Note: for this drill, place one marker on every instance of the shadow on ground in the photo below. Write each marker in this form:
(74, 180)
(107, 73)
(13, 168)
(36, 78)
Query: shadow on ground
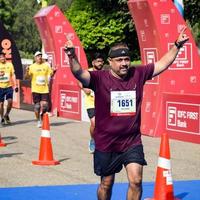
(8, 155)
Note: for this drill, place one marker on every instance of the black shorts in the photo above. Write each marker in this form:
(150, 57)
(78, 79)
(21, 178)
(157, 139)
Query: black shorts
(91, 112)
(6, 93)
(37, 97)
(106, 163)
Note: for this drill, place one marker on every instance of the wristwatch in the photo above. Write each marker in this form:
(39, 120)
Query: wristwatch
(178, 44)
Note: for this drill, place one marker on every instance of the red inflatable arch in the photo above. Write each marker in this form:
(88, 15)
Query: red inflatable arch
(54, 29)
(171, 100)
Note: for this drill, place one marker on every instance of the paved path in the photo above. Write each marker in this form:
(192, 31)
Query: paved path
(69, 141)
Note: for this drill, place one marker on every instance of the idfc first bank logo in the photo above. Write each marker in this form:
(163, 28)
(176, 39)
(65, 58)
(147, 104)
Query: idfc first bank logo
(183, 117)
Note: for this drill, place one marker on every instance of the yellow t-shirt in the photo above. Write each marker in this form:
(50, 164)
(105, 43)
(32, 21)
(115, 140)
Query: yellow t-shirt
(6, 73)
(89, 98)
(40, 74)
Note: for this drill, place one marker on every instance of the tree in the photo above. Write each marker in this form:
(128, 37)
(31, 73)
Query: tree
(17, 16)
(6, 14)
(24, 30)
(98, 23)
(97, 29)
(192, 15)
(63, 5)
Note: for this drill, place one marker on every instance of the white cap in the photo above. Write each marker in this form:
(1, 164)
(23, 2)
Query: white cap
(37, 53)
(44, 56)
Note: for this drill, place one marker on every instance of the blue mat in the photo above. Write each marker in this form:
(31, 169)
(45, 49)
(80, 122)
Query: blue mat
(186, 190)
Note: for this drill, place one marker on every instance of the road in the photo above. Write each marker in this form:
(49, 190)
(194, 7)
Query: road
(69, 140)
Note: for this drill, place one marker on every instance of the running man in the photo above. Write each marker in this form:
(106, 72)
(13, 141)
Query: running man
(118, 99)
(7, 79)
(39, 73)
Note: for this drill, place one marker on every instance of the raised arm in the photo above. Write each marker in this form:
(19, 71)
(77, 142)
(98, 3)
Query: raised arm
(162, 64)
(82, 75)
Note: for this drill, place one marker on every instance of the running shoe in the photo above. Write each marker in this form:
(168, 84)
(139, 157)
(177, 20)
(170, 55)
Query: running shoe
(3, 121)
(7, 119)
(91, 146)
(39, 124)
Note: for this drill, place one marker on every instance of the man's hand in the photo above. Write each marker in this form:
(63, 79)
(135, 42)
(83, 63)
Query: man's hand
(16, 89)
(166, 60)
(69, 49)
(82, 75)
(182, 38)
(87, 91)
(54, 69)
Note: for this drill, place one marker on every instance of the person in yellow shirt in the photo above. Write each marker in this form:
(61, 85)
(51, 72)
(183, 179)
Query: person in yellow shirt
(39, 73)
(97, 64)
(7, 78)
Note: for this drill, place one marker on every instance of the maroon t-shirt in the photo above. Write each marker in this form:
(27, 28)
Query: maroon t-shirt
(117, 133)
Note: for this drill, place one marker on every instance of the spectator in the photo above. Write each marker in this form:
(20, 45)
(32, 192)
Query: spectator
(39, 73)
(7, 78)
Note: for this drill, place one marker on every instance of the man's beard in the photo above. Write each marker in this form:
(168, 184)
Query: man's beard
(99, 67)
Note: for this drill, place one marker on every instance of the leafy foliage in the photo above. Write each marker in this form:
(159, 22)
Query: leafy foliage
(6, 14)
(63, 5)
(24, 30)
(98, 23)
(17, 16)
(98, 29)
(192, 15)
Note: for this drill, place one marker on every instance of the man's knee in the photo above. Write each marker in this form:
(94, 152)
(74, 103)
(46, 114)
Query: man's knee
(10, 101)
(136, 182)
(44, 108)
(37, 107)
(107, 183)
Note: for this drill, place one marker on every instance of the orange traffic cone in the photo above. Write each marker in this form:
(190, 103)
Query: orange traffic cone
(46, 152)
(1, 142)
(164, 185)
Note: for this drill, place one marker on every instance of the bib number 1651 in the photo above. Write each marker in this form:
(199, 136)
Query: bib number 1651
(125, 102)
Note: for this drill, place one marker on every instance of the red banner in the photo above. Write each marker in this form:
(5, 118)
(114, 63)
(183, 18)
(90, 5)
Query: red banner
(69, 102)
(54, 30)
(158, 24)
(181, 116)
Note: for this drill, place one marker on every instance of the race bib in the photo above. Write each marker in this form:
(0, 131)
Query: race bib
(123, 103)
(40, 80)
(4, 78)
